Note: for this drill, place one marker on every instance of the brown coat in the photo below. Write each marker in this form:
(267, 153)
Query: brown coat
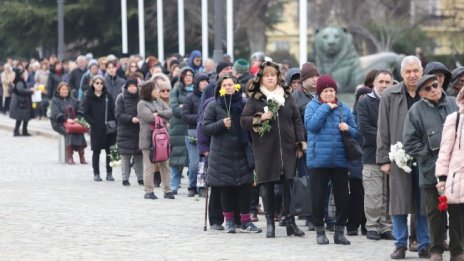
(274, 155)
(392, 113)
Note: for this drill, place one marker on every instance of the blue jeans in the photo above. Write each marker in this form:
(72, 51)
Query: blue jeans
(400, 222)
(176, 173)
(194, 158)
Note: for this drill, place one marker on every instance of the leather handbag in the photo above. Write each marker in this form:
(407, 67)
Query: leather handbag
(300, 204)
(352, 148)
(111, 127)
(75, 128)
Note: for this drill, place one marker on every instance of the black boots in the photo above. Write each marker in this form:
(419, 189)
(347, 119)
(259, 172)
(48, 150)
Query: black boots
(109, 176)
(339, 237)
(321, 238)
(97, 177)
(292, 228)
(270, 228)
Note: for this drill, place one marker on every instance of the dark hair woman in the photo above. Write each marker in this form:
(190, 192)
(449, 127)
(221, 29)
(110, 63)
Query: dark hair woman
(65, 108)
(148, 109)
(21, 102)
(227, 161)
(278, 139)
(98, 109)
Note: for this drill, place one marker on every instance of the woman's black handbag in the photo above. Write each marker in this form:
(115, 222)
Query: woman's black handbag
(300, 204)
(352, 148)
(111, 127)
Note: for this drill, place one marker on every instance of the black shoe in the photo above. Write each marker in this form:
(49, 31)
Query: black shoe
(310, 225)
(270, 226)
(387, 235)
(140, 181)
(352, 233)
(27, 134)
(202, 193)
(373, 235)
(191, 192)
(330, 227)
(292, 228)
(125, 183)
(321, 238)
(282, 222)
(97, 177)
(16, 134)
(174, 192)
(216, 227)
(169, 195)
(150, 196)
(398, 253)
(109, 177)
(230, 226)
(363, 230)
(339, 238)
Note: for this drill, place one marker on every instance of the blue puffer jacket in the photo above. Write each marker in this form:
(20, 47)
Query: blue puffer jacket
(325, 146)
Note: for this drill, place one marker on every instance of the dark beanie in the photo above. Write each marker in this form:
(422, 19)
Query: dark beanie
(323, 82)
(221, 66)
(308, 70)
(422, 81)
(241, 66)
(131, 81)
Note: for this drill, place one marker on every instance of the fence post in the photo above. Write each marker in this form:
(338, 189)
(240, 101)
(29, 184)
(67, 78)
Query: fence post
(61, 149)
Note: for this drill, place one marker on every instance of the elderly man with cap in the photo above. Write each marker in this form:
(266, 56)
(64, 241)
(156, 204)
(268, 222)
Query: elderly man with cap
(422, 136)
(457, 81)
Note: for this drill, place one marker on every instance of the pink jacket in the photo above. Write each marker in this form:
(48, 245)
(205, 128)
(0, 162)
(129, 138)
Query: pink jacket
(450, 161)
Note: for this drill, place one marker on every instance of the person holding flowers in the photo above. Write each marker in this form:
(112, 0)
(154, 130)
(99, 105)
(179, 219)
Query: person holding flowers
(228, 168)
(65, 108)
(325, 119)
(449, 171)
(277, 134)
(421, 136)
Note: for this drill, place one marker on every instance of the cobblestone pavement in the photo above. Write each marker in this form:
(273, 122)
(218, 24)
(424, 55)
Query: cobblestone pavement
(51, 211)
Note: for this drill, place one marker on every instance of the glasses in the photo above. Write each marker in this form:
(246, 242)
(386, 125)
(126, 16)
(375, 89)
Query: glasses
(98, 83)
(428, 88)
(165, 90)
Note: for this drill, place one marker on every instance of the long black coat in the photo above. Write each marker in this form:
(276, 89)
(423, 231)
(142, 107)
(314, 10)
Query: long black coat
(21, 102)
(178, 129)
(227, 165)
(368, 114)
(128, 132)
(275, 152)
(94, 114)
(190, 109)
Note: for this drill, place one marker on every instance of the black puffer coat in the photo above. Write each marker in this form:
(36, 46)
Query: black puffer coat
(128, 132)
(94, 114)
(227, 164)
(21, 101)
(192, 102)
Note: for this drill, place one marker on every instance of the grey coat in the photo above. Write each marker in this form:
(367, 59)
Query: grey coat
(392, 113)
(114, 85)
(145, 110)
(422, 135)
(21, 102)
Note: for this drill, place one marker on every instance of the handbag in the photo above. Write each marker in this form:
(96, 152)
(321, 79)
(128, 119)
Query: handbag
(75, 127)
(160, 145)
(300, 204)
(111, 127)
(352, 148)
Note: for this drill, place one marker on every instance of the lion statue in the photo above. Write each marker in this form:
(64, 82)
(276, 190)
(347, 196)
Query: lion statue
(335, 55)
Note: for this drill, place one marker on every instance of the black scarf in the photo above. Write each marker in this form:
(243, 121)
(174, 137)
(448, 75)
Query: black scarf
(236, 108)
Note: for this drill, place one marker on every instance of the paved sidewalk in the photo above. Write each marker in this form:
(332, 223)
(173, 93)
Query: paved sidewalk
(52, 211)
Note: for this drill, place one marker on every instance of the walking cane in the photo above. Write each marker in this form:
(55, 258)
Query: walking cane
(206, 208)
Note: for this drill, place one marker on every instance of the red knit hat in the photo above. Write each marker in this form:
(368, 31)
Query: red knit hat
(323, 82)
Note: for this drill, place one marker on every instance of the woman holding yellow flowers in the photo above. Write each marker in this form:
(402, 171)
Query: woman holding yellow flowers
(277, 134)
(228, 168)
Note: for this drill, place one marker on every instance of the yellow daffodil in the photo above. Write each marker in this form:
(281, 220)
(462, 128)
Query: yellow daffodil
(237, 87)
(222, 92)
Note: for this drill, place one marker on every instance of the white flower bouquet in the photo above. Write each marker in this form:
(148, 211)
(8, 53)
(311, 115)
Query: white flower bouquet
(273, 104)
(398, 155)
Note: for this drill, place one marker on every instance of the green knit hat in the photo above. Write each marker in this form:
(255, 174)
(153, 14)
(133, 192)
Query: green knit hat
(241, 66)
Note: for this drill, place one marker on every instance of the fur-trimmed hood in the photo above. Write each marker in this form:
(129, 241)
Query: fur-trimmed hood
(254, 88)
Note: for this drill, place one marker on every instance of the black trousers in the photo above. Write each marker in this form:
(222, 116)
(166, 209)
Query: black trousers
(236, 195)
(319, 179)
(268, 196)
(215, 216)
(356, 215)
(254, 199)
(18, 124)
(96, 161)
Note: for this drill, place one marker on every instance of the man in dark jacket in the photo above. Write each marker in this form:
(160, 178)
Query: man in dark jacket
(375, 182)
(241, 70)
(222, 69)
(113, 82)
(302, 96)
(422, 136)
(75, 76)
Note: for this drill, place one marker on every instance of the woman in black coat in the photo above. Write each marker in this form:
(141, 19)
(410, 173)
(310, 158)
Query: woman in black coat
(227, 161)
(98, 105)
(128, 131)
(21, 103)
(66, 108)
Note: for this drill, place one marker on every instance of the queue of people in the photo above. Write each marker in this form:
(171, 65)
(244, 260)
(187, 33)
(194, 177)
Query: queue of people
(251, 128)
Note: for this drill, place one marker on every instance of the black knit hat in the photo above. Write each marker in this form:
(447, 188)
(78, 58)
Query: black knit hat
(221, 66)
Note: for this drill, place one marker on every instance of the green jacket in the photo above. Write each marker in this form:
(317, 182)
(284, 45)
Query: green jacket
(178, 128)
